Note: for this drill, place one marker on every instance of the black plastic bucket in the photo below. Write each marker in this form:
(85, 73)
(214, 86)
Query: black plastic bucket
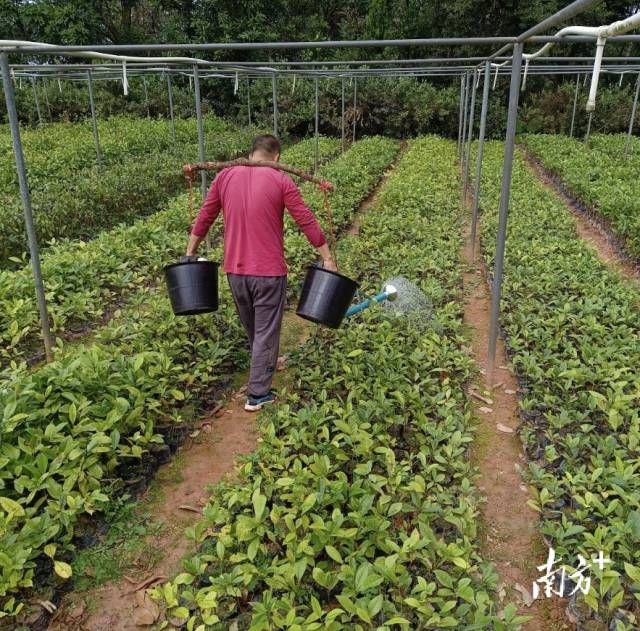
(193, 287)
(325, 297)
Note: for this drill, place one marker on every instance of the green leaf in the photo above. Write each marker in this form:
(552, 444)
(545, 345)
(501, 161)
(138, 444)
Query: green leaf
(259, 503)
(62, 569)
(333, 553)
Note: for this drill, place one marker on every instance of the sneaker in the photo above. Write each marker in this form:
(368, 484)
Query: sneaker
(254, 404)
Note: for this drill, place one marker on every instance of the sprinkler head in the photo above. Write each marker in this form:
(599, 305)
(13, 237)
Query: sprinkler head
(391, 291)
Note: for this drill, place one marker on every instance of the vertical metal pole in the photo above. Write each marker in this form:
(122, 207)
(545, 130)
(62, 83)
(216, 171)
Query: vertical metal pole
(249, 101)
(46, 99)
(472, 115)
(460, 114)
(171, 112)
(316, 157)
(509, 146)
(575, 106)
(146, 95)
(355, 104)
(586, 138)
(342, 119)
(275, 105)
(481, 135)
(94, 123)
(633, 118)
(196, 85)
(464, 116)
(12, 115)
(35, 98)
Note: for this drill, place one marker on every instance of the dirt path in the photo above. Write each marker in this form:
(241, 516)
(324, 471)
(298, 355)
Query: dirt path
(591, 229)
(371, 199)
(509, 535)
(122, 604)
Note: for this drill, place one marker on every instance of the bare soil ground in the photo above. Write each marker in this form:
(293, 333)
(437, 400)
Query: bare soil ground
(509, 535)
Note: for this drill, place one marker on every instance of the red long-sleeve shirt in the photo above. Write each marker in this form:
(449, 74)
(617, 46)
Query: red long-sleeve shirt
(253, 200)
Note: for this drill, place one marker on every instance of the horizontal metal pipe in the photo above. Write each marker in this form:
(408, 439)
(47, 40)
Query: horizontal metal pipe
(399, 43)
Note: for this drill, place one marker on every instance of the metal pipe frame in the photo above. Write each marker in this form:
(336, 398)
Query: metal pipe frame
(201, 150)
(274, 103)
(575, 106)
(472, 115)
(37, 101)
(460, 114)
(146, 95)
(171, 112)
(465, 118)
(355, 105)
(141, 66)
(249, 101)
(509, 147)
(479, 157)
(316, 154)
(342, 130)
(632, 120)
(528, 36)
(588, 134)
(32, 238)
(94, 123)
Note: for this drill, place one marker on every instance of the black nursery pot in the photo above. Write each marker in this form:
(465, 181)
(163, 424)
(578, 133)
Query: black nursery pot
(325, 297)
(192, 287)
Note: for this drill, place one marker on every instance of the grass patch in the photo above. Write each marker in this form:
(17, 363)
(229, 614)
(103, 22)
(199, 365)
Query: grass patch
(126, 543)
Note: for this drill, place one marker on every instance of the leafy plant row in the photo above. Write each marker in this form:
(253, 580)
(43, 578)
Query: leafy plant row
(71, 431)
(83, 281)
(599, 176)
(358, 510)
(74, 198)
(572, 329)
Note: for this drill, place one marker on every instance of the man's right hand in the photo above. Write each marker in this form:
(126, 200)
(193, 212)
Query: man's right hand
(330, 265)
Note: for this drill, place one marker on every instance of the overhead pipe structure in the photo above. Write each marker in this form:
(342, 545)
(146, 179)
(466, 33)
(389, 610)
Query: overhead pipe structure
(120, 67)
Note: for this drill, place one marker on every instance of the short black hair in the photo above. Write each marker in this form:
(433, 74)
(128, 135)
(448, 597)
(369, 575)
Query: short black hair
(266, 143)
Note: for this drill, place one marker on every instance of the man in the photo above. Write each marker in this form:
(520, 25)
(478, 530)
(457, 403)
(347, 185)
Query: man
(252, 200)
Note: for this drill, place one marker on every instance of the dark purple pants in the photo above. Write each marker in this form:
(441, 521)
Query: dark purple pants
(260, 302)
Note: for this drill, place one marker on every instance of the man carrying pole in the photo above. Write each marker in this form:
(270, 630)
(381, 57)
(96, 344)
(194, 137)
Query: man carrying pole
(253, 200)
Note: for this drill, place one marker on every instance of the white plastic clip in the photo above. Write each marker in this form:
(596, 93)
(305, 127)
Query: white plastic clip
(235, 85)
(621, 78)
(59, 86)
(190, 83)
(125, 82)
(495, 78)
(293, 87)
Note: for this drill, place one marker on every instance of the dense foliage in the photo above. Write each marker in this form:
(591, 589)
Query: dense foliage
(572, 330)
(86, 281)
(72, 197)
(72, 430)
(395, 107)
(358, 510)
(599, 176)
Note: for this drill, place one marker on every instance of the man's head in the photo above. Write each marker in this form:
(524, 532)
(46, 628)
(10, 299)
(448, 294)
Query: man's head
(266, 147)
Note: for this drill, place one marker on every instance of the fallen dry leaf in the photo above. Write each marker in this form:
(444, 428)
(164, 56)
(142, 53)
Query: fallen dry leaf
(186, 507)
(48, 605)
(147, 611)
(147, 582)
(478, 396)
(509, 391)
(504, 428)
(527, 598)
(485, 410)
